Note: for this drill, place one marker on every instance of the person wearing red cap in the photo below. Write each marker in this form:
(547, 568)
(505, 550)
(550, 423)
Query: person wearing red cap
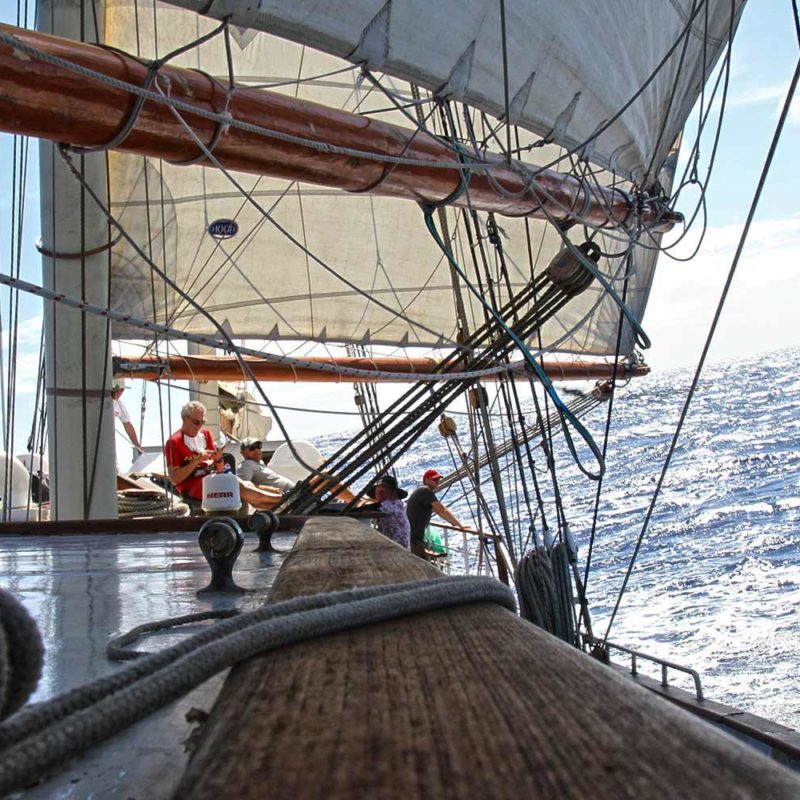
(420, 508)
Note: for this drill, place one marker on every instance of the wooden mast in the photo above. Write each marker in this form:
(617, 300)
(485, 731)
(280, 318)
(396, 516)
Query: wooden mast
(53, 102)
(227, 368)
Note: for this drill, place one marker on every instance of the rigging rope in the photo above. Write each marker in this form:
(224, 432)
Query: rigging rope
(544, 588)
(534, 364)
(718, 312)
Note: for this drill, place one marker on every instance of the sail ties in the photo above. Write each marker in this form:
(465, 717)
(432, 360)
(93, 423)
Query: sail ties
(463, 185)
(48, 733)
(150, 81)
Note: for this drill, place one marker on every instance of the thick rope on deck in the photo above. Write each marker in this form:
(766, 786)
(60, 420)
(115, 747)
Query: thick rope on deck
(164, 506)
(37, 739)
(21, 654)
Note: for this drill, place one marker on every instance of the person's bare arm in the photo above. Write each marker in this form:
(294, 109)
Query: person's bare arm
(444, 512)
(179, 474)
(131, 431)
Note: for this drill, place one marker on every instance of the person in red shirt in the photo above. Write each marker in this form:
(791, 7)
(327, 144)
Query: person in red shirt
(191, 455)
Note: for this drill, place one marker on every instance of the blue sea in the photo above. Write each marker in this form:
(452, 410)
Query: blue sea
(716, 586)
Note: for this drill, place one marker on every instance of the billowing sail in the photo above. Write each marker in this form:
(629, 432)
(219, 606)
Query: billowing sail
(313, 263)
(572, 65)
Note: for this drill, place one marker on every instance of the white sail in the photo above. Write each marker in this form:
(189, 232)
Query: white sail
(572, 65)
(351, 250)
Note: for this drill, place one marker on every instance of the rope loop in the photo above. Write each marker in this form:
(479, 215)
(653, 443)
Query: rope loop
(21, 654)
(45, 735)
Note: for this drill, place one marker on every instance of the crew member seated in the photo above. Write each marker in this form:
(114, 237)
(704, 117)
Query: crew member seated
(253, 468)
(191, 455)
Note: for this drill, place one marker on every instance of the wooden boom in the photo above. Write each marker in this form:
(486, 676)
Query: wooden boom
(466, 702)
(228, 368)
(50, 101)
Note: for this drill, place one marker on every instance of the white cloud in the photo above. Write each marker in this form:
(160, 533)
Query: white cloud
(29, 333)
(26, 357)
(773, 93)
(758, 94)
(759, 312)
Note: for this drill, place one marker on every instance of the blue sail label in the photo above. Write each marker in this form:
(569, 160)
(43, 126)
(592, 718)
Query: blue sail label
(223, 228)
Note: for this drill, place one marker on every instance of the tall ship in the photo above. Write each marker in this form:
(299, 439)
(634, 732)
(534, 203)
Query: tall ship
(457, 210)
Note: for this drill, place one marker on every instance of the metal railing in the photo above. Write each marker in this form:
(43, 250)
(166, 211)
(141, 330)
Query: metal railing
(663, 663)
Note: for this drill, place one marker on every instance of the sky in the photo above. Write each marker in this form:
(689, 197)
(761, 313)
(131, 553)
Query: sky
(761, 310)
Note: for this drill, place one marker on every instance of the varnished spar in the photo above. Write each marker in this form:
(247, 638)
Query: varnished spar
(53, 102)
(228, 368)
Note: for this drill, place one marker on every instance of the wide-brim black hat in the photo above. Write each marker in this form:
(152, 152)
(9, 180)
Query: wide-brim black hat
(390, 481)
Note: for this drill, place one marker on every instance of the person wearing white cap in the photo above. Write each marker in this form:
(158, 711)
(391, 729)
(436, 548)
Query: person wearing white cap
(121, 413)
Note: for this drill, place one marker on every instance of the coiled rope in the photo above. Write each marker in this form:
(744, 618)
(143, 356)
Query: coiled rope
(21, 654)
(545, 591)
(38, 738)
(161, 507)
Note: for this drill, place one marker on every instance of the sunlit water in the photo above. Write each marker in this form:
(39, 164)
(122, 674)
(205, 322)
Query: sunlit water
(716, 585)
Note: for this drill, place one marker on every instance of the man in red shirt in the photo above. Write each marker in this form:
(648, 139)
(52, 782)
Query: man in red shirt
(191, 455)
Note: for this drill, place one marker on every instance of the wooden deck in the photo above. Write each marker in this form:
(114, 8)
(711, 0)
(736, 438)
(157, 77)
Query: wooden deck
(469, 702)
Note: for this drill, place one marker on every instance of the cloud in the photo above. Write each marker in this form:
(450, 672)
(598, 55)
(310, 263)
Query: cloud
(773, 93)
(29, 333)
(758, 94)
(760, 306)
(26, 366)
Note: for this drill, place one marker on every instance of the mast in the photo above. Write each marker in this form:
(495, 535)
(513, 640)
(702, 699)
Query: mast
(299, 140)
(77, 356)
(200, 388)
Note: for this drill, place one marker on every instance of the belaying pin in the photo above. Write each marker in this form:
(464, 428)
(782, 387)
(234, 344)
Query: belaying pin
(264, 524)
(221, 541)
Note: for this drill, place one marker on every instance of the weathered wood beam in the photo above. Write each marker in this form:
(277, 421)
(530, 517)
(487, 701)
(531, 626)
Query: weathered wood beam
(466, 702)
(41, 99)
(228, 368)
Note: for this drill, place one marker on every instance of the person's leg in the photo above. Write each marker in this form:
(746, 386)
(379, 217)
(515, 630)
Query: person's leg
(418, 548)
(259, 498)
(323, 483)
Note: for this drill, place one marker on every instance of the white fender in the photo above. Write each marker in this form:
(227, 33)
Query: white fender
(18, 505)
(284, 462)
(35, 464)
(221, 492)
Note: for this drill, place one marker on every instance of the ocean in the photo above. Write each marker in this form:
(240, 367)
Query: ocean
(716, 585)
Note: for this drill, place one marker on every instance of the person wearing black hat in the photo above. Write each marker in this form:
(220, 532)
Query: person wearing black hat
(253, 468)
(395, 524)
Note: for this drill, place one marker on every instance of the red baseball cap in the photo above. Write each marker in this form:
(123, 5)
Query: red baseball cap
(431, 474)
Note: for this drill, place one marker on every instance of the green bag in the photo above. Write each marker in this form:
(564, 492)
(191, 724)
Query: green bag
(433, 541)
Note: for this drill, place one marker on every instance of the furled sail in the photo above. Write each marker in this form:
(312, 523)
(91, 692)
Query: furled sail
(312, 263)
